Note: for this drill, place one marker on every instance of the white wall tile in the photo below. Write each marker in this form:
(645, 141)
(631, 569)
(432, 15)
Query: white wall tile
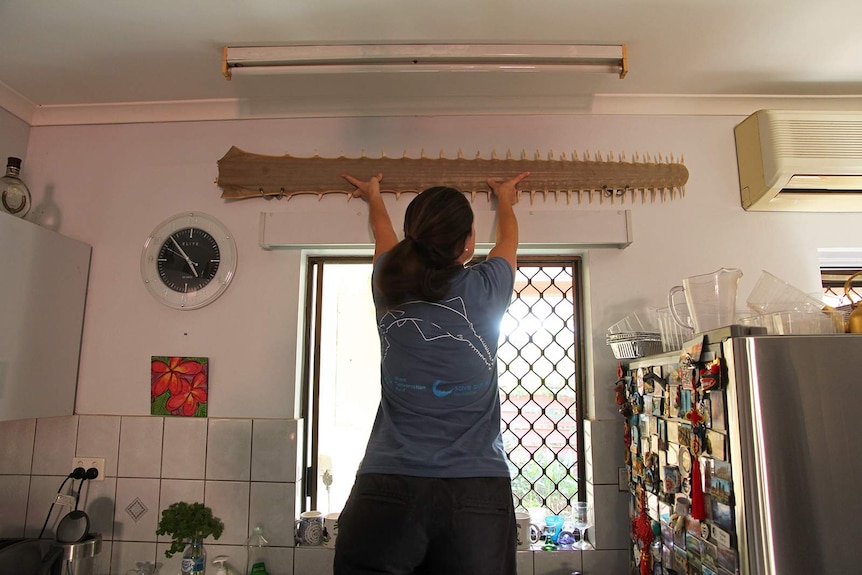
(236, 558)
(102, 560)
(127, 555)
(229, 502)
(272, 505)
(16, 446)
(604, 449)
(171, 566)
(97, 500)
(136, 514)
(273, 450)
(606, 562)
(13, 495)
(556, 562)
(54, 445)
(612, 525)
(140, 447)
(313, 560)
(525, 563)
(229, 449)
(99, 436)
(43, 492)
(185, 448)
(281, 561)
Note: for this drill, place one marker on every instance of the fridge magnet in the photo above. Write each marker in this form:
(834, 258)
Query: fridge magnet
(672, 479)
(179, 385)
(672, 454)
(662, 435)
(720, 490)
(664, 511)
(705, 411)
(726, 558)
(708, 554)
(686, 486)
(686, 380)
(721, 469)
(649, 382)
(716, 411)
(643, 423)
(672, 432)
(684, 435)
(657, 406)
(680, 560)
(694, 563)
(666, 555)
(653, 426)
(692, 535)
(666, 534)
(648, 399)
(721, 515)
(685, 402)
(678, 526)
(708, 571)
(710, 375)
(720, 537)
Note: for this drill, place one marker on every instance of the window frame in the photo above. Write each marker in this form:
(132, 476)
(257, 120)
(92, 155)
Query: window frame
(310, 372)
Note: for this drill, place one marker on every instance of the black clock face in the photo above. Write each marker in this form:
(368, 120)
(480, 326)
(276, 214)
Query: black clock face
(188, 260)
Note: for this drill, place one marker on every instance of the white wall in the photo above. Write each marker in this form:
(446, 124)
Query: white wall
(115, 183)
(14, 133)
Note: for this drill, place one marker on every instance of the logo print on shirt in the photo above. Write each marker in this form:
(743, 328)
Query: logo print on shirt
(408, 314)
(439, 392)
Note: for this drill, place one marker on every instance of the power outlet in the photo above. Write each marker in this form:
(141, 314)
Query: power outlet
(88, 462)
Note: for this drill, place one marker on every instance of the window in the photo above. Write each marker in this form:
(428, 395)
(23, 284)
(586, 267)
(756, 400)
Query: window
(540, 375)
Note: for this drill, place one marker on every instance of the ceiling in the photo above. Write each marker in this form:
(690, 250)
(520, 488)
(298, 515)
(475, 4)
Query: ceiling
(104, 61)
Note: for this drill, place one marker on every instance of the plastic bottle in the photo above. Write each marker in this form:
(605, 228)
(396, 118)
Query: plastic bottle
(194, 559)
(257, 552)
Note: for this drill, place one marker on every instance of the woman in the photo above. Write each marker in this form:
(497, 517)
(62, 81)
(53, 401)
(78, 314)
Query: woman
(433, 493)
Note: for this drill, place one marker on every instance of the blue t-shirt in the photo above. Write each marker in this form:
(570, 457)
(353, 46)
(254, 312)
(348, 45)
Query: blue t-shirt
(439, 413)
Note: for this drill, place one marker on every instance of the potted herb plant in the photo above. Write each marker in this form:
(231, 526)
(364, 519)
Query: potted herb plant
(188, 524)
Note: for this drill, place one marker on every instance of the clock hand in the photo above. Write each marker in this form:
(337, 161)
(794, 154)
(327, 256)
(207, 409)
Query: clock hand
(187, 258)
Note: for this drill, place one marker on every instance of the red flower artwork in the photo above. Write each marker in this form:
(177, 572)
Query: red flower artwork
(179, 386)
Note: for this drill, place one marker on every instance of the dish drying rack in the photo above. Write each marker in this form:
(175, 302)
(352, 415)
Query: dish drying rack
(635, 336)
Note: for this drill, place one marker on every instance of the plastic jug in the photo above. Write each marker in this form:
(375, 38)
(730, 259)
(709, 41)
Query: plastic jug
(711, 299)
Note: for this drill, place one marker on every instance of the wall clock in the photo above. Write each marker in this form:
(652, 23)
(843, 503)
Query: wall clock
(188, 260)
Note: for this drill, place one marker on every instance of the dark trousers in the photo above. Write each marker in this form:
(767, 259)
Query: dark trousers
(399, 525)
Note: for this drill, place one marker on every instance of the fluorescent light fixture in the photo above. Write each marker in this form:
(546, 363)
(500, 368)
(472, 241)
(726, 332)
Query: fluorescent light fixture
(340, 59)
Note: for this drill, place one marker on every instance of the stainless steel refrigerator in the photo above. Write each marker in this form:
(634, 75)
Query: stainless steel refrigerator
(795, 419)
(783, 458)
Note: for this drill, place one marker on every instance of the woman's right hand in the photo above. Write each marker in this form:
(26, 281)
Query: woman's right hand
(506, 190)
(365, 190)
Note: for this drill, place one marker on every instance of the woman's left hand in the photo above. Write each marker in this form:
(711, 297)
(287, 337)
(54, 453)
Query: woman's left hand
(365, 190)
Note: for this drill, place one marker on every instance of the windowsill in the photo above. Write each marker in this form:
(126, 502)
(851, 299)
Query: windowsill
(540, 549)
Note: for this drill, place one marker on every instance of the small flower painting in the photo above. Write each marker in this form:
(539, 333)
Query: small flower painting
(179, 386)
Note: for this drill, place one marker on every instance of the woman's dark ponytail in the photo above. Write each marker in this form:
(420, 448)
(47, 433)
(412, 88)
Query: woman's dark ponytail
(436, 227)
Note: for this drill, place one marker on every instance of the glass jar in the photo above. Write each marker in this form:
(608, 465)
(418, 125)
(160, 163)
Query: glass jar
(14, 194)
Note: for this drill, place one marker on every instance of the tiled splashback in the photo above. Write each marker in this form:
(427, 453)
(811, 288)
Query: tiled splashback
(246, 470)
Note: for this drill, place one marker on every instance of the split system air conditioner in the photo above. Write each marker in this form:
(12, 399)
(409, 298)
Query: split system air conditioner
(800, 161)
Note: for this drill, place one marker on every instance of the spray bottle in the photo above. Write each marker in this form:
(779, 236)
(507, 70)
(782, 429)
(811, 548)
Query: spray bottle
(220, 563)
